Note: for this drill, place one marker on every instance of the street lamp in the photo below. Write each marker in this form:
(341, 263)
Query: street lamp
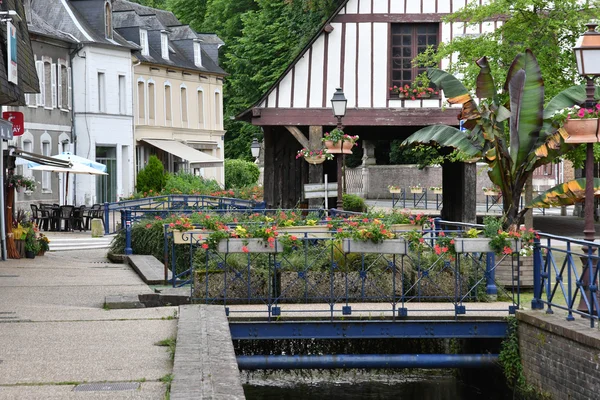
(255, 149)
(587, 54)
(338, 104)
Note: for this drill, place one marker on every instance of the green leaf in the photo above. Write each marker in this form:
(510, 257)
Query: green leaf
(445, 136)
(565, 194)
(485, 82)
(454, 90)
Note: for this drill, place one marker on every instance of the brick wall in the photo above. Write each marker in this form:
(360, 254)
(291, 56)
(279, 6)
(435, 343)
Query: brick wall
(559, 357)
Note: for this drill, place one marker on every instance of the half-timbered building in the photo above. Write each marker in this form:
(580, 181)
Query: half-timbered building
(366, 47)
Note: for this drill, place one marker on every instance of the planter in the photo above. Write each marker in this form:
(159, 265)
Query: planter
(490, 193)
(193, 236)
(582, 130)
(405, 227)
(437, 191)
(28, 192)
(20, 246)
(395, 190)
(416, 191)
(480, 245)
(307, 231)
(334, 148)
(29, 254)
(315, 160)
(390, 246)
(425, 96)
(253, 246)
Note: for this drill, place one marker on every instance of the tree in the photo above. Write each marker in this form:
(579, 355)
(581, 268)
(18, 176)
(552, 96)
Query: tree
(510, 130)
(151, 177)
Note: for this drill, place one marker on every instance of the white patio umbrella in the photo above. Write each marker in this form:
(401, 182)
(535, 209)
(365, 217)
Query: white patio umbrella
(78, 165)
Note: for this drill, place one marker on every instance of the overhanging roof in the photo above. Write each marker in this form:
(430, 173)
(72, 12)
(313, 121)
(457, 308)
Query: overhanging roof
(185, 152)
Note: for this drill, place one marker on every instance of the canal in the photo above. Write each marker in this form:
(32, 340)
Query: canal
(404, 385)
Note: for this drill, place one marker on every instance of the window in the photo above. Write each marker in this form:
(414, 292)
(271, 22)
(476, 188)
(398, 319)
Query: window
(164, 45)
(122, 95)
(46, 174)
(151, 101)
(200, 108)
(408, 40)
(27, 146)
(217, 110)
(184, 106)
(144, 42)
(101, 92)
(47, 76)
(64, 85)
(108, 33)
(197, 54)
(167, 103)
(141, 98)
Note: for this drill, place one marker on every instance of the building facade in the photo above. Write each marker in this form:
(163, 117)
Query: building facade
(177, 91)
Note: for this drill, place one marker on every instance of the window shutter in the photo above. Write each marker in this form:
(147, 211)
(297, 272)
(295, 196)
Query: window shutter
(53, 86)
(59, 78)
(39, 66)
(70, 91)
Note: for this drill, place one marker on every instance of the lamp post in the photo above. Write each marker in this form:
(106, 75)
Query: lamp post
(255, 150)
(587, 54)
(338, 104)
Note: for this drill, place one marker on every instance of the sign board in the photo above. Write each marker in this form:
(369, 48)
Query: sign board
(17, 120)
(11, 53)
(6, 131)
(318, 190)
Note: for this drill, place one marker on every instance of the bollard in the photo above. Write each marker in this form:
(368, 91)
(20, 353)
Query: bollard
(106, 231)
(97, 228)
(128, 250)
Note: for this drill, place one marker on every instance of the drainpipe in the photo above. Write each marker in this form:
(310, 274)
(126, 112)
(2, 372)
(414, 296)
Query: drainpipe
(72, 54)
(133, 65)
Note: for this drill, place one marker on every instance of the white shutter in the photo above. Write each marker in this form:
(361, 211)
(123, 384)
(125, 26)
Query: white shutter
(39, 66)
(59, 78)
(70, 91)
(53, 78)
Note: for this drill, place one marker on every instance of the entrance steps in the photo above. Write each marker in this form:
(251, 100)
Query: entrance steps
(65, 243)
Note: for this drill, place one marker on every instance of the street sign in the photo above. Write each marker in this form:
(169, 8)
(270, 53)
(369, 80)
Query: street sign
(17, 120)
(320, 190)
(6, 131)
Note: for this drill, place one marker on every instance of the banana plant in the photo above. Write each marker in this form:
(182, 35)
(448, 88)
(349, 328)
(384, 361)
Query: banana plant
(510, 130)
(565, 194)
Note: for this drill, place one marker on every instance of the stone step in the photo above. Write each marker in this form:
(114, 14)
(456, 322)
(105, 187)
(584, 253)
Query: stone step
(79, 243)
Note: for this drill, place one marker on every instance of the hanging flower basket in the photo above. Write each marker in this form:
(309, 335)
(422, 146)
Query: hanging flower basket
(582, 130)
(334, 147)
(315, 160)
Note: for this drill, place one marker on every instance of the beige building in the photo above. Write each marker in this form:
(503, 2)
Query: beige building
(177, 91)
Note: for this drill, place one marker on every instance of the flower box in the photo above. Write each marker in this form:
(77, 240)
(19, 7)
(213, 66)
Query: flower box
(582, 130)
(390, 246)
(405, 227)
(336, 148)
(398, 190)
(490, 193)
(480, 245)
(308, 231)
(191, 236)
(416, 190)
(437, 191)
(252, 246)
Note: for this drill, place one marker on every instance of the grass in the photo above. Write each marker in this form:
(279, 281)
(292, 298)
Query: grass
(171, 343)
(167, 380)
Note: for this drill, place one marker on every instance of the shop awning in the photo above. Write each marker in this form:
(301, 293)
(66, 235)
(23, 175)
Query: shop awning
(186, 153)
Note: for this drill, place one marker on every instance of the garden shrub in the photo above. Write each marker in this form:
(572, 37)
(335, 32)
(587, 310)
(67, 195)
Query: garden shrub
(187, 183)
(240, 173)
(352, 202)
(151, 177)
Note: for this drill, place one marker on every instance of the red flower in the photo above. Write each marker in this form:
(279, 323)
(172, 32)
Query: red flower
(294, 238)
(148, 226)
(507, 250)
(245, 249)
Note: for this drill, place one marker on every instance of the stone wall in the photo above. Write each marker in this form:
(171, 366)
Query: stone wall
(560, 358)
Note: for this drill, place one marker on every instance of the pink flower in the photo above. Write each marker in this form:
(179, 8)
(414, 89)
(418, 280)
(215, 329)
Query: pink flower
(204, 246)
(581, 113)
(507, 250)
(245, 249)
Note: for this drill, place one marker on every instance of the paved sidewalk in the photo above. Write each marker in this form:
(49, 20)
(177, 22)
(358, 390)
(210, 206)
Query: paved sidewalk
(55, 333)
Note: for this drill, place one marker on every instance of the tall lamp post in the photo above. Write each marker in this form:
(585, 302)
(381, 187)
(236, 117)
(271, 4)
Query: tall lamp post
(587, 54)
(338, 104)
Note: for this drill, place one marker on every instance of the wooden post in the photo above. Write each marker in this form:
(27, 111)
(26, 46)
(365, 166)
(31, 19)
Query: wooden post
(458, 182)
(315, 172)
(269, 156)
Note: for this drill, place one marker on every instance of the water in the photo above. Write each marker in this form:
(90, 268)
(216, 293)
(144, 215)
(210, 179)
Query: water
(425, 385)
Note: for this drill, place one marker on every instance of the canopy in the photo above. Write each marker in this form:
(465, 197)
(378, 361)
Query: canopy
(185, 152)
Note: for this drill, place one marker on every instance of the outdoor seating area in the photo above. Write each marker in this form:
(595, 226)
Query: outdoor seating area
(66, 218)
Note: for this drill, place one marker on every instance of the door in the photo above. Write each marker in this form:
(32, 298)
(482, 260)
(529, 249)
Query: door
(106, 185)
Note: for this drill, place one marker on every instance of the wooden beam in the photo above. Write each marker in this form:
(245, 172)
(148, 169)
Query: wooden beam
(297, 133)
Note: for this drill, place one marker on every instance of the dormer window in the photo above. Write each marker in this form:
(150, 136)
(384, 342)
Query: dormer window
(197, 54)
(164, 44)
(144, 42)
(108, 32)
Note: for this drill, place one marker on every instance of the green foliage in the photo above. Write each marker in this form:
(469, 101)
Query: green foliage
(31, 243)
(184, 182)
(240, 173)
(171, 343)
(420, 154)
(352, 202)
(152, 177)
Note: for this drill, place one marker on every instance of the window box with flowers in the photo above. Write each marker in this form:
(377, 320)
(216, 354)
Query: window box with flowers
(491, 191)
(405, 221)
(20, 182)
(394, 189)
(436, 189)
(371, 236)
(338, 142)
(578, 124)
(185, 233)
(416, 189)
(314, 156)
(419, 89)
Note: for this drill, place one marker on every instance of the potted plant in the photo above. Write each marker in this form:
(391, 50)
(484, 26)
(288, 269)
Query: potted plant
(491, 191)
(20, 182)
(31, 244)
(371, 237)
(394, 189)
(416, 189)
(43, 244)
(314, 156)
(403, 220)
(436, 189)
(418, 89)
(338, 142)
(581, 124)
